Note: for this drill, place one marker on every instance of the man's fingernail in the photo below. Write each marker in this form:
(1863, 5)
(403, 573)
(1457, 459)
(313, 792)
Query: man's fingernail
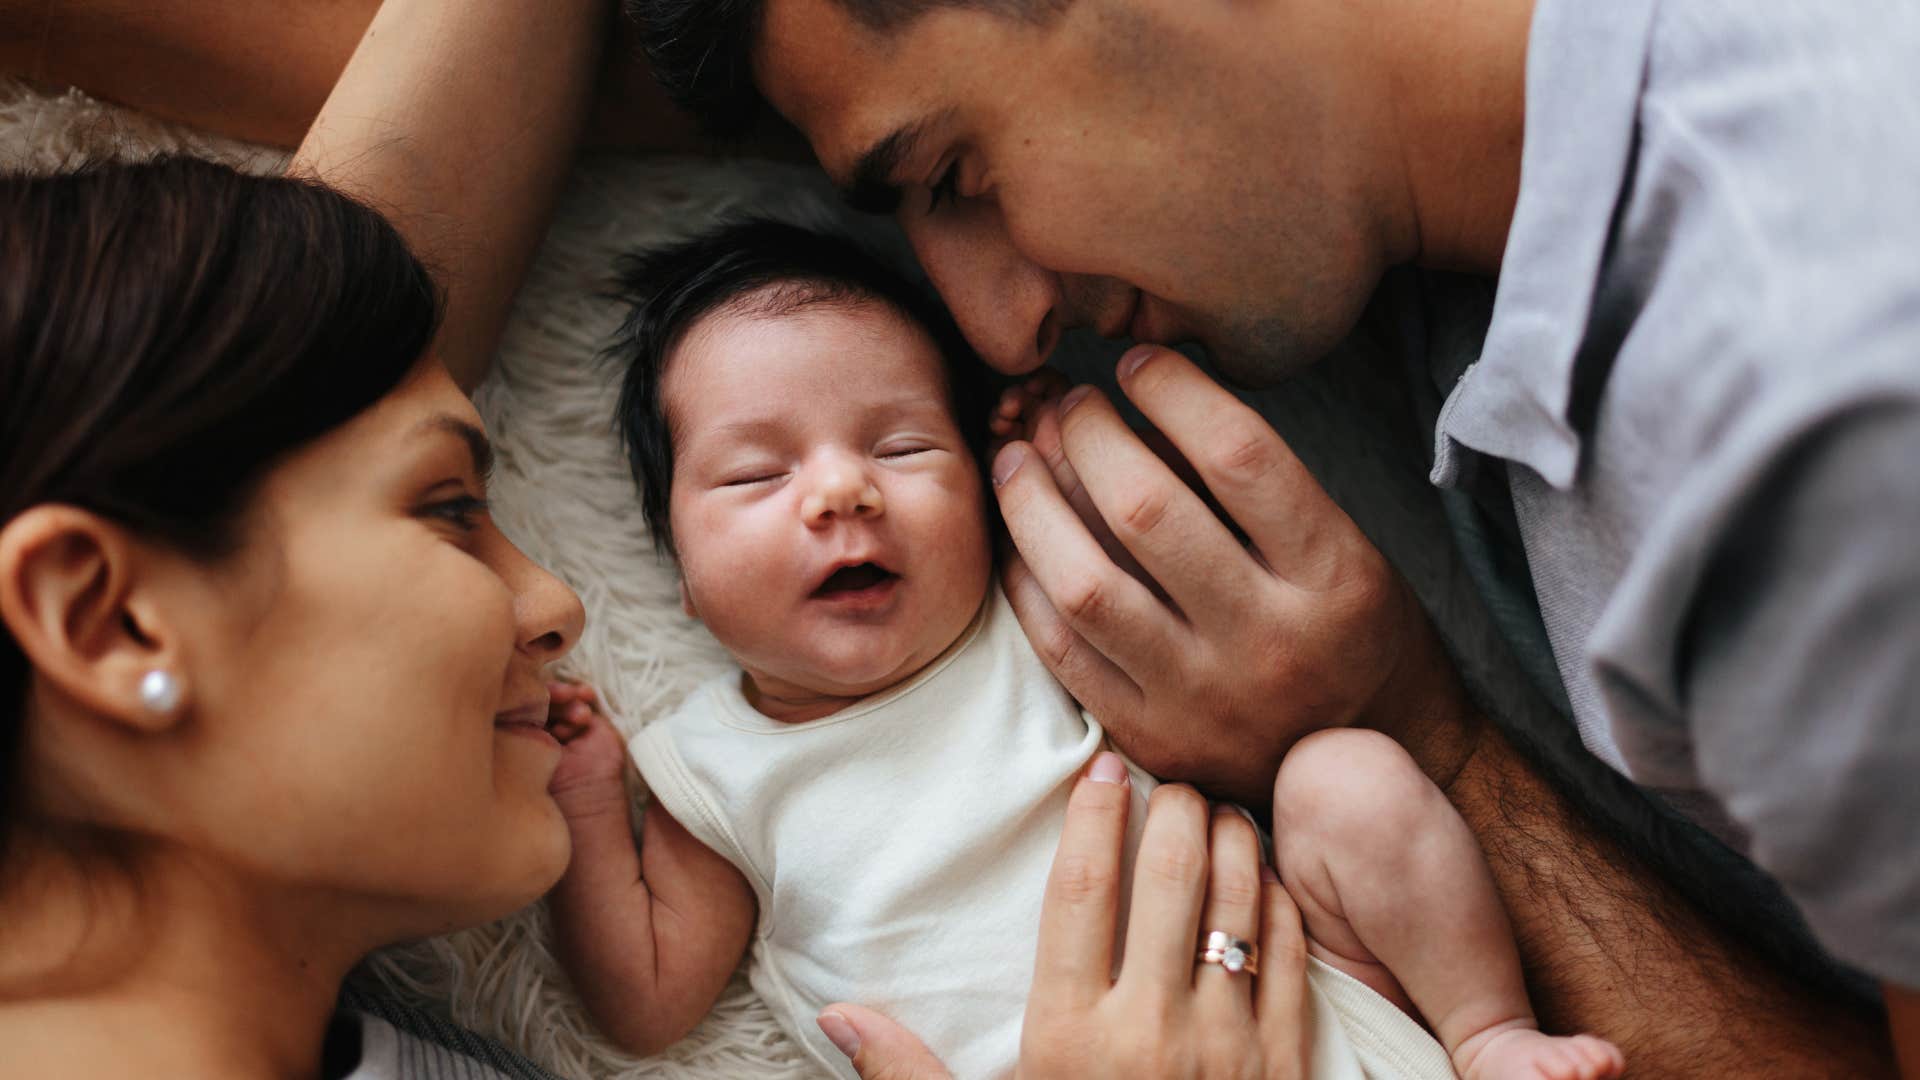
(1074, 397)
(1008, 462)
(840, 1033)
(1108, 769)
(1130, 362)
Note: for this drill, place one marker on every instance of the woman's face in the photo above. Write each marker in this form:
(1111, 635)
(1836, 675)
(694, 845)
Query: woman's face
(366, 696)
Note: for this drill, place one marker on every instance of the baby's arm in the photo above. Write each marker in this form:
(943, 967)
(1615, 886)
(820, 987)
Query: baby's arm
(1393, 890)
(649, 936)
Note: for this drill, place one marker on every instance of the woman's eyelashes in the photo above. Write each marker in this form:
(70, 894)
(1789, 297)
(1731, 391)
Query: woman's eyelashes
(463, 512)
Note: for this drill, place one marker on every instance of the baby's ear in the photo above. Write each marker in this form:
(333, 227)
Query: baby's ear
(686, 600)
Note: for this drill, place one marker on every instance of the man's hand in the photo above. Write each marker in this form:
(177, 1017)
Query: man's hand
(1301, 627)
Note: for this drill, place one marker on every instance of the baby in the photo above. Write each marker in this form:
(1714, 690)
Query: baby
(869, 807)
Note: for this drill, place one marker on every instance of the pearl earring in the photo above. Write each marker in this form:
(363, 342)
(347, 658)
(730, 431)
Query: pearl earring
(160, 692)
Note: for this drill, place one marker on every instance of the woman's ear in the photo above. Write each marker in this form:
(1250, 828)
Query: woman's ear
(73, 597)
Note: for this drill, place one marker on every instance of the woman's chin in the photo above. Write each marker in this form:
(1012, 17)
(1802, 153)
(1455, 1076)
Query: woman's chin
(527, 865)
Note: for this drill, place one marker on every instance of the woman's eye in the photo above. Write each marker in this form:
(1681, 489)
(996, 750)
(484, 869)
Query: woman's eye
(464, 512)
(904, 451)
(751, 479)
(946, 189)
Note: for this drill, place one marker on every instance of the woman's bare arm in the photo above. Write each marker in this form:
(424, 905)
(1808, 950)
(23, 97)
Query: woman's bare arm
(260, 71)
(457, 120)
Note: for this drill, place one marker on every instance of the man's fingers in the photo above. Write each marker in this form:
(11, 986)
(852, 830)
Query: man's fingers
(1281, 1004)
(879, 1048)
(1100, 601)
(1046, 440)
(1083, 890)
(1157, 517)
(1095, 681)
(1169, 885)
(1242, 460)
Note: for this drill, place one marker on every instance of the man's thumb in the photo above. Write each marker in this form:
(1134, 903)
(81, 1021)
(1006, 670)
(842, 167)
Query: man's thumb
(879, 1048)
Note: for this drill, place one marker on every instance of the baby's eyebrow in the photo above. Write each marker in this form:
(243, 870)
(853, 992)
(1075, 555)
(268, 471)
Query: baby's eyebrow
(747, 430)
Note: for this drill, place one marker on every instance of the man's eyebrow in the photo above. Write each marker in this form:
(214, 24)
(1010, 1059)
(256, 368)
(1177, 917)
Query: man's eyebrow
(874, 188)
(476, 440)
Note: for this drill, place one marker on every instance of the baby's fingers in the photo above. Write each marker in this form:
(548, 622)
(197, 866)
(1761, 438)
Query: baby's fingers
(571, 708)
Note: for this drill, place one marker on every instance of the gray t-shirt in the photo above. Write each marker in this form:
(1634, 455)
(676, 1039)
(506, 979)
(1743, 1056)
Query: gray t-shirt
(1702, 378)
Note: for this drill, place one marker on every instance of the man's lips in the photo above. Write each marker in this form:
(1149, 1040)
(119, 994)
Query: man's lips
(1140, 326)
(1122, 323)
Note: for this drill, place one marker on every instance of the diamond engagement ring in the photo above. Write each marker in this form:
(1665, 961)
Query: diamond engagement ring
(1231, 953)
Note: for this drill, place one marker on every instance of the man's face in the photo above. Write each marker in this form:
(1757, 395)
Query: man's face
(1165, 170)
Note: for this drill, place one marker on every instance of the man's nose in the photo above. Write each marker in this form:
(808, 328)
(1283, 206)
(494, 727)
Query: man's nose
(839, 487)
(1008, 306)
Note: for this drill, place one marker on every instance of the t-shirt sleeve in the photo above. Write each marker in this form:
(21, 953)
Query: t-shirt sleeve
(675, 787)
(1799, 671)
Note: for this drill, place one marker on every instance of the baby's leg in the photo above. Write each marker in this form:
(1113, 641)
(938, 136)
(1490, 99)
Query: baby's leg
(1394, 891)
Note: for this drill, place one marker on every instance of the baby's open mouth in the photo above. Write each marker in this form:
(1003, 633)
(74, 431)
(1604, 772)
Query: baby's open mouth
(849, 579)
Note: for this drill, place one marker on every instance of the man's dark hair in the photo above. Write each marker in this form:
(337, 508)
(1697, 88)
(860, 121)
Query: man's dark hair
(769, 269)
(702, 50)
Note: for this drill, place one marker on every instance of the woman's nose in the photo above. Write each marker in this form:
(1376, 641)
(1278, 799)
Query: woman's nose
(548, 613)
(839, 488)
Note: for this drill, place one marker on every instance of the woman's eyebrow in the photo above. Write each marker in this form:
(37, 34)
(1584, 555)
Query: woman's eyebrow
(476, 440)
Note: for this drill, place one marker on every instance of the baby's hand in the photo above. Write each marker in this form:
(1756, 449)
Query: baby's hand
(591, 776)
(1021, 407)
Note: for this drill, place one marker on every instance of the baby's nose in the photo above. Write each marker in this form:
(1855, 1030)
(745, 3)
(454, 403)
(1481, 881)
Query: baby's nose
(841, 490)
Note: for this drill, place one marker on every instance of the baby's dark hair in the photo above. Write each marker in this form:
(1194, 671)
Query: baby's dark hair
(770, 269)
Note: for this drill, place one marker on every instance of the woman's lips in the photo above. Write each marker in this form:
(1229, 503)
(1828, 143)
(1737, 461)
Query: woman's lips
(530, 722)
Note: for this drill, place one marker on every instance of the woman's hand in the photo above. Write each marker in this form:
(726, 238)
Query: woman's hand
(1196, 871)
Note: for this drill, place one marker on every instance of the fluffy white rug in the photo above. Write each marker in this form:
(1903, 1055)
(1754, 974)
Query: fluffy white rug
(562, 491)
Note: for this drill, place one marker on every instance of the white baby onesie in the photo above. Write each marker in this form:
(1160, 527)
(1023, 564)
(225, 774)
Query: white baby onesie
(899, 849)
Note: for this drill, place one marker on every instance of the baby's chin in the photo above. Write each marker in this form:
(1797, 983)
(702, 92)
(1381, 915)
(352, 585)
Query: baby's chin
(864, 676)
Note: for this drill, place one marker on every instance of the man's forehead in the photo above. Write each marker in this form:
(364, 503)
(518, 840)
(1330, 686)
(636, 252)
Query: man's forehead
(832, 78)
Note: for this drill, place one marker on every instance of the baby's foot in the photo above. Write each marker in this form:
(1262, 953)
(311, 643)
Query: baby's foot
(1017, 416)
(1523, 1053)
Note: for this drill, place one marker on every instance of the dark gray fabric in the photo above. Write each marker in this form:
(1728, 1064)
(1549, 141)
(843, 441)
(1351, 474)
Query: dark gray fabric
(428, 1047)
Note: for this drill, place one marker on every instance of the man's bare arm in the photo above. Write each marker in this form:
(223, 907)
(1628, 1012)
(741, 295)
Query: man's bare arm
(1610, 947)
(1299, 625)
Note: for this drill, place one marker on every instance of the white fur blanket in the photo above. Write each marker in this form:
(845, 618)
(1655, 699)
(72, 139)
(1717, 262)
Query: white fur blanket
(562, 491)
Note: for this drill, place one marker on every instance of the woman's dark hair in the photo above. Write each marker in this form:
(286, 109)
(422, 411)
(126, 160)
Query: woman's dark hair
(171, 329)
(780, 268)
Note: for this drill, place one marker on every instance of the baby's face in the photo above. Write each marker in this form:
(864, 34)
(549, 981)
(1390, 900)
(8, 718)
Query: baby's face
(827, 514)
